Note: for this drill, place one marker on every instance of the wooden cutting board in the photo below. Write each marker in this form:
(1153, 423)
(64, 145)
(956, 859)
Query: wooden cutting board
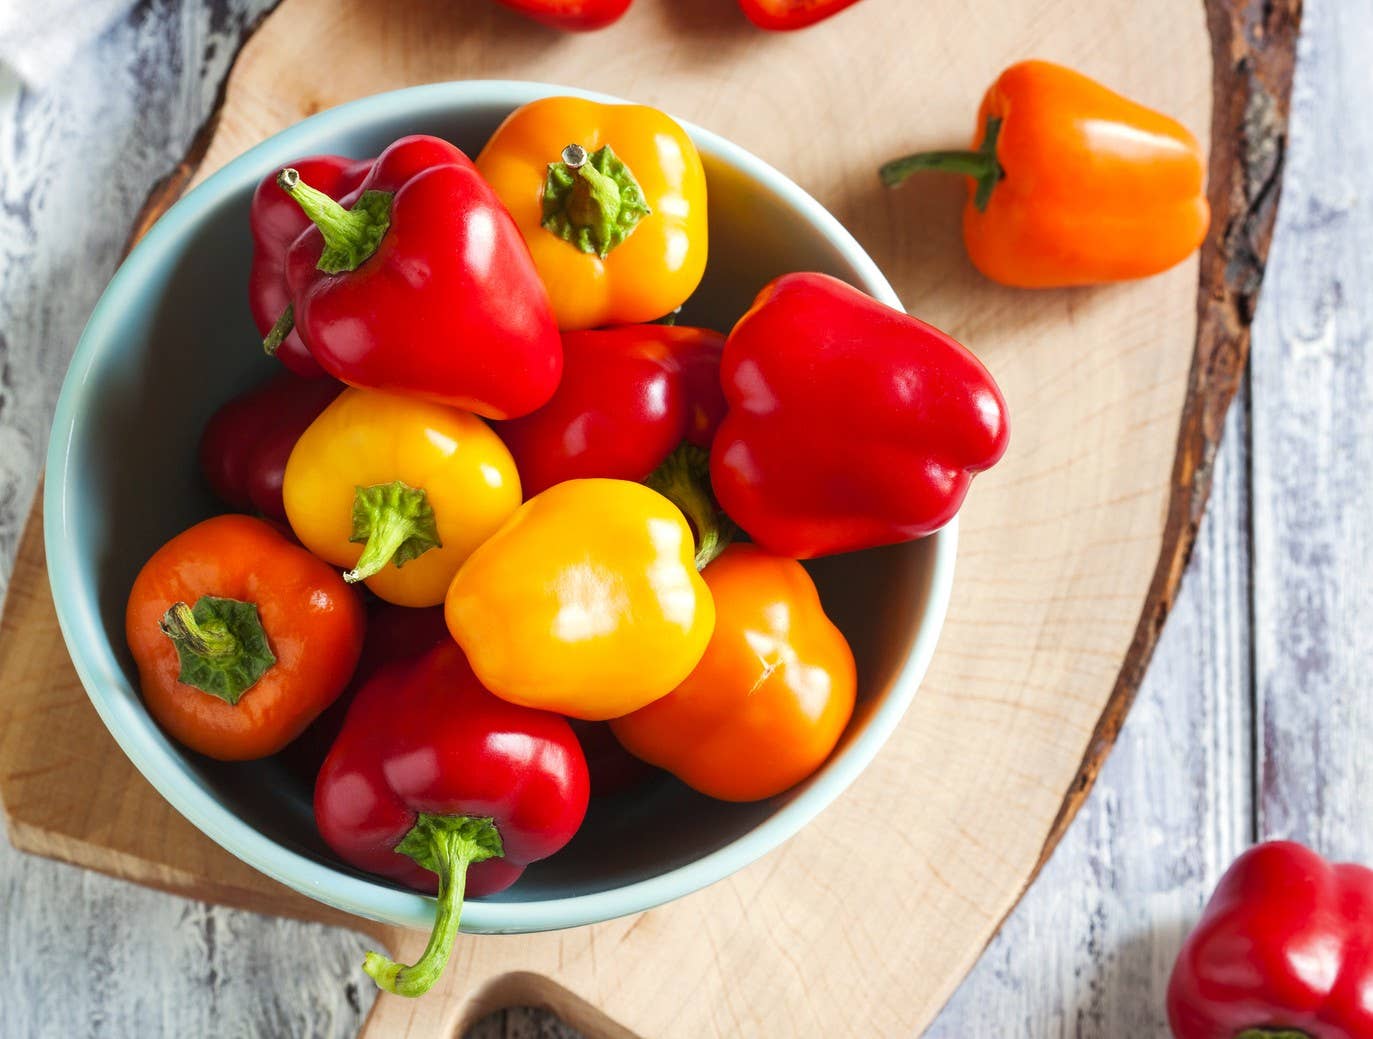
(1071, 550)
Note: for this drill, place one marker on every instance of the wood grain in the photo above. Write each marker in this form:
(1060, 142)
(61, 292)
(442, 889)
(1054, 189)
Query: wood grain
(920, 268)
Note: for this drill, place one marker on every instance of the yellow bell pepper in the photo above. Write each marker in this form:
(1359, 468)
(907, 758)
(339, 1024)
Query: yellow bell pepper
(587, 602)
(612, 201)
(401, 490)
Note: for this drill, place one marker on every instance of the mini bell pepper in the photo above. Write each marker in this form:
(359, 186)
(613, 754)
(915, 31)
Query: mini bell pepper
(398, 489)
(241, 638)
(244, 447)
(851, 424)
(1284, 950)
(587, 602)
(628, 397)
(419, 283)
(616, 219)
(1071, 184)
(276, 221)
(769, 699)
(791, 14)
(574, 15)
(438, 784)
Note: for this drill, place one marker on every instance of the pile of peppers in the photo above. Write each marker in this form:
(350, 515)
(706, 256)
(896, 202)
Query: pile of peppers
(507, 537)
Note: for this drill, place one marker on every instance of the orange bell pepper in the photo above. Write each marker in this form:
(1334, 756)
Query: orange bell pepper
(771, 696)
(616, 219)
(1070, 183)
(241, 637)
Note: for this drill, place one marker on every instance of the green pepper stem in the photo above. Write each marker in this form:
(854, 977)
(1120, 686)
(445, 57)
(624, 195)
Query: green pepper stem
(684, 479)
(1273, 1033)
(350, 235)
(395, 522)
(592, 200)
(280, 331)
(980, 164)
(220, 644)
(446, 845)
(213, 640)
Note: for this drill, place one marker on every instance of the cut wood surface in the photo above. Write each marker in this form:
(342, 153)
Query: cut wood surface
(1085, 525)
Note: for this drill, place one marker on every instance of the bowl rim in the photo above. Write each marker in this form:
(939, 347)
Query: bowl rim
(148, 749)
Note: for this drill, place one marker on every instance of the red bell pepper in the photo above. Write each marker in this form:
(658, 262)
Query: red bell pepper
(276, 222)
(432, 775)
(851, 424)
(628, 397)
(791, 14)
(576, 15)
(244, 447)
(1284, 950)
(419, 283)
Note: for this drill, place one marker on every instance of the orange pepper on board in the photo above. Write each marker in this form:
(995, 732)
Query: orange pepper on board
(1070, 183)
(611, 200)
(771, 696)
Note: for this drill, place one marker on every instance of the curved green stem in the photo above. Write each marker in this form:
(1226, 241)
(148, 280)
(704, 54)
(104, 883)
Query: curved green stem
(684, 480)
(982, 165)
(350, 235)
(446, 845)
(221, 645)
(396, 524)
(591, 200)
(272, 343)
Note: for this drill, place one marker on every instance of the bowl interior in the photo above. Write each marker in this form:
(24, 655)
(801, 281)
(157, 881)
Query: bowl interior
(181, 342)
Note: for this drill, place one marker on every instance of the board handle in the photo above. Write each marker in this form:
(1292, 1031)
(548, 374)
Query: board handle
(461, 998)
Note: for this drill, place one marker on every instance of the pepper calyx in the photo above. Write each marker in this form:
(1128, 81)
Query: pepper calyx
(395, 523)
(1273, 1033)
(446, 845)
(592, 200)
(221, 645)
(981, 164)
(683, 478)
(351, 236)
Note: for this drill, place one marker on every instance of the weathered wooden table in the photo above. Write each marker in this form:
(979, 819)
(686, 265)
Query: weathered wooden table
(1251, 723)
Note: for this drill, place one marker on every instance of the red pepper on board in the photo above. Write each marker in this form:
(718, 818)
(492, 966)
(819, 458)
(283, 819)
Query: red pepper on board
(1284, 950)
(419, 283)
(432, 775)
(246, 443)
(628, 397)
(276, 221)
(791, 14)
(575, 15)
(851, 424)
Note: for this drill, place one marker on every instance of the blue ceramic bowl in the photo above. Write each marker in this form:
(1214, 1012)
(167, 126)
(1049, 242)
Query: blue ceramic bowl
(171, 340)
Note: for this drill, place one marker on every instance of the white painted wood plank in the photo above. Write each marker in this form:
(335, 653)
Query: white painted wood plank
(1313, 455)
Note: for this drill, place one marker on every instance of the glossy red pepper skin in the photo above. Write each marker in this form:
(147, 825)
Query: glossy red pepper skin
(425, 736)
(851, 424)
(791, 14)
(573, 15)
(244, 446)
(448, 307)
(276, 221)
(1284, 949)
(628, 397)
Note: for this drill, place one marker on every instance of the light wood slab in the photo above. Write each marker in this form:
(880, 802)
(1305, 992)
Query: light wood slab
(1072, 549)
